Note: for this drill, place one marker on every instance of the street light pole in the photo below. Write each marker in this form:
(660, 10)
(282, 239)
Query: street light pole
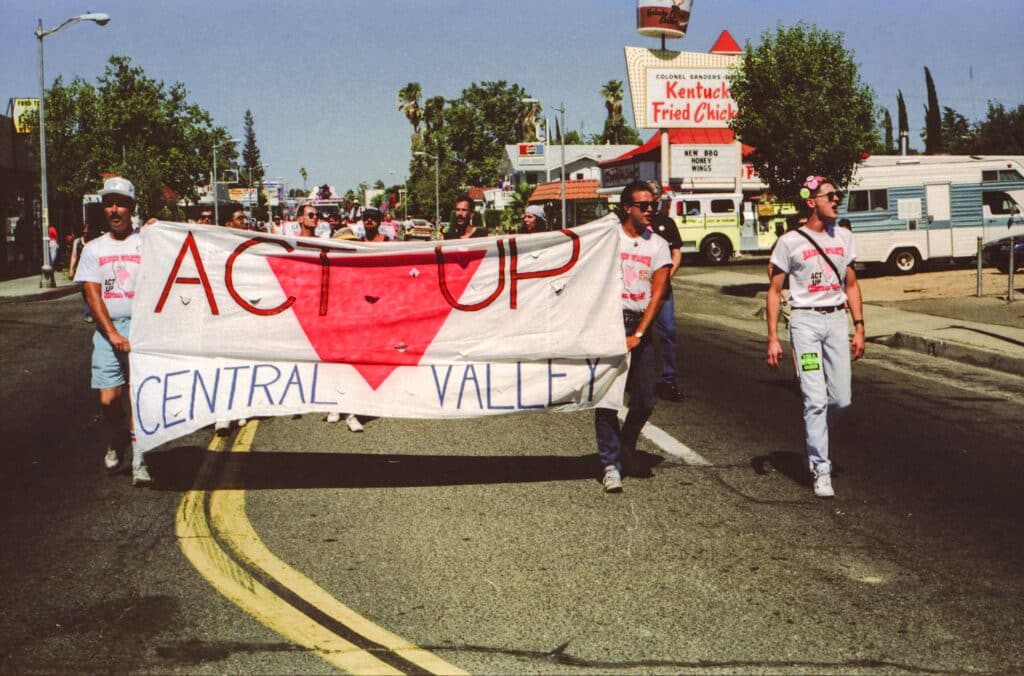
(46, 278)
(562, 139)
(213, 180)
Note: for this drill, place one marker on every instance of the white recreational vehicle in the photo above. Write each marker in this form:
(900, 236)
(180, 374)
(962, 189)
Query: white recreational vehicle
(905, 210)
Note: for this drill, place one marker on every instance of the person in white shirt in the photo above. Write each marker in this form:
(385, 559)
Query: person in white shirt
(818, 259)
(644, 264)
(108, 272)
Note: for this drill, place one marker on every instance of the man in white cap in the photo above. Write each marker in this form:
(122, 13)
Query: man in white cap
(108, 272)
(534, 220)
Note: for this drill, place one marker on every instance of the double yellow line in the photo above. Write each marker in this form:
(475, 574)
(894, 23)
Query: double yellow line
(217, 538)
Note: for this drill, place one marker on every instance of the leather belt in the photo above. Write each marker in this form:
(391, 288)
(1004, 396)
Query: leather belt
(823, 310)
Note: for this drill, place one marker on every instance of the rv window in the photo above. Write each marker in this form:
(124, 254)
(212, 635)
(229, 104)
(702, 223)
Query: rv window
(998, 176)
(689, 208)
(998, 202)
(868, 200)
(722, 206)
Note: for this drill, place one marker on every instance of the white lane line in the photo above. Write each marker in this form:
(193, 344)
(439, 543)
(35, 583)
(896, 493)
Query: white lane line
(668, 443)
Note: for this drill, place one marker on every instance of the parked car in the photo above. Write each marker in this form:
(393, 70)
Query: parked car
(997, 253)
(419, 228)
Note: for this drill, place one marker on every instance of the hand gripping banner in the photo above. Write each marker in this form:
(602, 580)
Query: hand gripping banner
(231, 324)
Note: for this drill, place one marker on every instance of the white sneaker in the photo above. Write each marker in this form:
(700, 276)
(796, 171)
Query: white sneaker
(333, 417)
(242, 421)
(612, 480)
(140, 476)
(823, 486)
(353, 423)
(222, 428)
(110, 460)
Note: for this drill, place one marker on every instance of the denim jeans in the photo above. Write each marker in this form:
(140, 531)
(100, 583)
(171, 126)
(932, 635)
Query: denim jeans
(821, 351)
(665, 321)
(640, 396)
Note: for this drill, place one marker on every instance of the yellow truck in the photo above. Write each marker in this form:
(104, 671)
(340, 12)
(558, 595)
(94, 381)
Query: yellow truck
(718, 225)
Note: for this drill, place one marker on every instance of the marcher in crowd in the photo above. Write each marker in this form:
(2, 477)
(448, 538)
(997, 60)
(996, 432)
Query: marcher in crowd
(77, 247)
(818, 260)
(236, 220)
(205, 217)
(308, 220)
(534, 220)
(644, 262)
(54, 244)
(371, 224)
(108, 271)
(462, 224)
(663, 225)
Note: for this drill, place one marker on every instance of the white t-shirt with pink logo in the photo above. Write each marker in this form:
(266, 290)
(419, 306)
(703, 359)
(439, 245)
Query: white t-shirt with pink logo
(812, 281)
(114, 265)
(639, 259)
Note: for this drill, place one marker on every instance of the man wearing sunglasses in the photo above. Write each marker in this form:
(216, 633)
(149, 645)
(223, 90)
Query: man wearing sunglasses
(644, 264)
(818, 259)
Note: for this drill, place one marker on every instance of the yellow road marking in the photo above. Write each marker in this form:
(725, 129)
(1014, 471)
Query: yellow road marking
(228, 522)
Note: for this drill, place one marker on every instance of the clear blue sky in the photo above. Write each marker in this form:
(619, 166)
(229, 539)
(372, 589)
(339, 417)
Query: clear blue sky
(321, 77)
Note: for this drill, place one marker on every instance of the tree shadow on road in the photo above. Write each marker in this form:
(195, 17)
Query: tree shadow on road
(178, 469)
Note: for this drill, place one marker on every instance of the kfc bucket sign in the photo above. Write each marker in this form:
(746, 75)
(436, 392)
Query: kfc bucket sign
(663, 18)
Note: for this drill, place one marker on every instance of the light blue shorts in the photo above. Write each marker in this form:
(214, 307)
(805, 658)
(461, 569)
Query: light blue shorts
(109, 367)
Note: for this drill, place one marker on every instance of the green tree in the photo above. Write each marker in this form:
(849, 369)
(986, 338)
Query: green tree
(1000, 133)
(887, 146)
(252, 168)
(932, 132)
(615, 131)
(132, 125)
(957, 133)
(804, 107)
(409, 104)
(901, 114)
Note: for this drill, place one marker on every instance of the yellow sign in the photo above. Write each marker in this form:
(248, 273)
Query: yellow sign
(23, 124)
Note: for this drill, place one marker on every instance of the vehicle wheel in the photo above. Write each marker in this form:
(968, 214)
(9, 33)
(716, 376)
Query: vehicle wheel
(905, 261)
(716, 250)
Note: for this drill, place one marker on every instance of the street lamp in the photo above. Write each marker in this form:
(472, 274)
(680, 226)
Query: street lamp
(46, 276)
(437, 186)
(561, 110)
(213, 179)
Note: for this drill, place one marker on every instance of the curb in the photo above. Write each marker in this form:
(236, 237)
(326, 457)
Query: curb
(955, 352)
(48, 294)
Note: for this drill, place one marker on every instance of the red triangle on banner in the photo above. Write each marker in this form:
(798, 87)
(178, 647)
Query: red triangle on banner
(381, 312)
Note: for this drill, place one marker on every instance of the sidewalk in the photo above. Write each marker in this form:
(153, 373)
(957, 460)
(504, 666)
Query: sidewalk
(942, 327)
(27, 288)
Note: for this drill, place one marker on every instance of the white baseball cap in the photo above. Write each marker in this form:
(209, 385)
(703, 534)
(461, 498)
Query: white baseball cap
(118, 186)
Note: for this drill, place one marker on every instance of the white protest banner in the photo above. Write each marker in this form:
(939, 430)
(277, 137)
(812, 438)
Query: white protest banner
(231, 324)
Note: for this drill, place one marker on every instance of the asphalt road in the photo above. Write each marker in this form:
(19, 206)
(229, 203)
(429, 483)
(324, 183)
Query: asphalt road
(489, 543)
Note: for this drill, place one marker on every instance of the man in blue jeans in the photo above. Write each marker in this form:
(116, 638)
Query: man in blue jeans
(663, 226)
(644, 263)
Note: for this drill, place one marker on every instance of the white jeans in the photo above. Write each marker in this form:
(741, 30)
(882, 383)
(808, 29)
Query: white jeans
(821, 353)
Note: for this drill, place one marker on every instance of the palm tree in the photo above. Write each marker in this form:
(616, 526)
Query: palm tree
(433, 117)
(304, 175)
(612, 93)
(409, 104)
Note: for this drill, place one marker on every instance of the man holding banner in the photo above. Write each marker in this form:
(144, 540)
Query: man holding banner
(644, 263)
(108, 271)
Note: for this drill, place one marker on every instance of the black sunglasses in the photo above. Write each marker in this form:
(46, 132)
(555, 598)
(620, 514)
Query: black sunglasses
(644, 206)
(831, 195)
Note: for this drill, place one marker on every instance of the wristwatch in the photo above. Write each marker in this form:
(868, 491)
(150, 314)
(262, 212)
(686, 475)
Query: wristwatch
(638, 334)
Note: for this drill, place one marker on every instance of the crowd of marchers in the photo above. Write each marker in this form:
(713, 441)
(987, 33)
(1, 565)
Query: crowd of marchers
(817, 259)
